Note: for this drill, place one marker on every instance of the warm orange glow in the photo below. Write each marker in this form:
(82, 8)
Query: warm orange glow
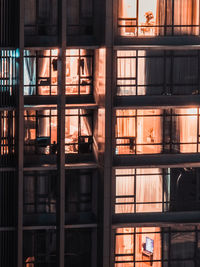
(44, 73)
(30, 262)
(77, 72)
(125, 246)
(46, 128)
(143, 133)
(146, 17)
(73, 131)
(146, 131)
(148, 189)
(188, 129)
(7, 132)
(151, 13)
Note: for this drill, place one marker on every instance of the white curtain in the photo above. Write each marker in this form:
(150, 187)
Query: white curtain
(148, 189)
(125, 187)
(126, 72)
(187, 128)
(29, 73)
(186, 12)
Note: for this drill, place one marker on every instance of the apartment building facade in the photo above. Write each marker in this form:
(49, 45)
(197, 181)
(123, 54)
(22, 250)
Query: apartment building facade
(100, 133)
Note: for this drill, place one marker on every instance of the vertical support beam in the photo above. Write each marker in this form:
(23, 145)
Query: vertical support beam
(61, 137)
(107, 220)
(20, 136)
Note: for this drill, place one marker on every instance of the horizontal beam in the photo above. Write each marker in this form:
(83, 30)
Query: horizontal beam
(161, 101)
(155, 219)
(157, 160)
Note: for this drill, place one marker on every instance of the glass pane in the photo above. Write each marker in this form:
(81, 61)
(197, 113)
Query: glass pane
(124, 186)
(147, 17)
(148, 244)
(182, 263)
(148, 263)
(127, 264)
(153, 15)
(186, 129)
(149, 189)
(124, 244)
(182, 245)
(149, 131)
(126, 68)
(185, 70)
(125, 127)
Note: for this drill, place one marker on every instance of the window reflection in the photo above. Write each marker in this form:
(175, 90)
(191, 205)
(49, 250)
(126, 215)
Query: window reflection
(158, 17)
(157, 131)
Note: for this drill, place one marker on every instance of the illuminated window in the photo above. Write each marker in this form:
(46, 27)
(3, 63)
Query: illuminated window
(7, 77)
(7, 133)
(157, 72)
(78, 131)
(79, 71)
(157, 131)
(138, 131)
(138, 190)
(154, 246)
(138, 245)
(158, 17)
(40, 72)
(40, 131)
(156, 190)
